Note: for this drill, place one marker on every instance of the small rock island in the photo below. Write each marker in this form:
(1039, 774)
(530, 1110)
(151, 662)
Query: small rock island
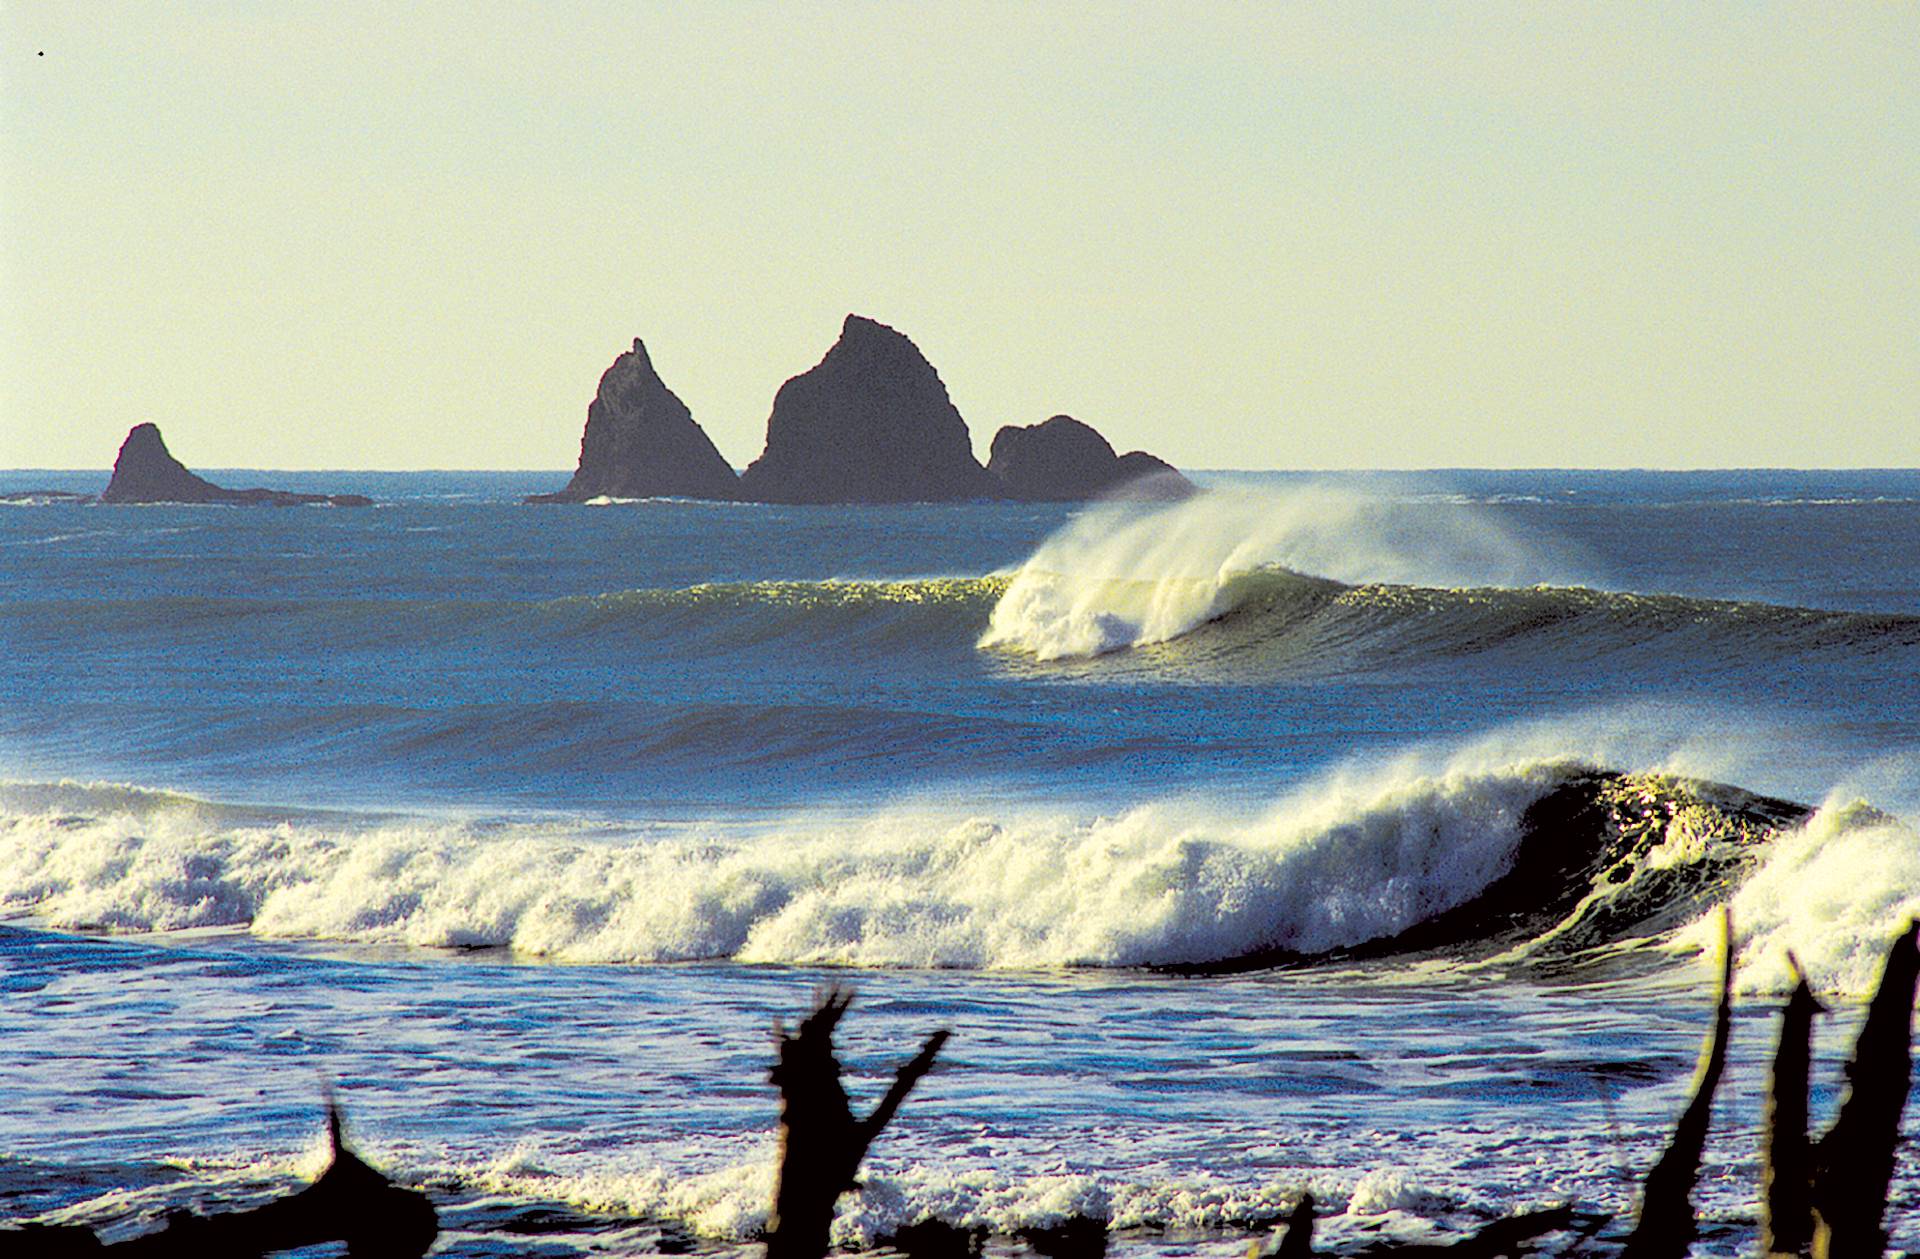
(146, 472)
(642, 442)
(1063, 460)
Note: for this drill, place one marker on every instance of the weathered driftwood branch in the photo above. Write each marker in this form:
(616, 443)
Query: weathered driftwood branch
(821, 1143)
(1076, 1237)
(1509, 1236)
(1298, 1243)
(936, 1239)
(1786, 1156)
(1665, 1228)
(350, 1203)
(1853, 1164)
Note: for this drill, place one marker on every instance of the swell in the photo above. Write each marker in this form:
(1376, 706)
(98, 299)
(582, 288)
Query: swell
(1373, 626)
(825, 614)
(1534, 864)
(1272, 619)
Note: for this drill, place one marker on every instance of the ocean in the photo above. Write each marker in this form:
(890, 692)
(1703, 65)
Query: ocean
(1353, 832)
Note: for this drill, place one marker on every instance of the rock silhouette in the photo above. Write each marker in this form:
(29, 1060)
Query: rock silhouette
(642, 442)
(872, 423)
(146, 472)
(1063, 460)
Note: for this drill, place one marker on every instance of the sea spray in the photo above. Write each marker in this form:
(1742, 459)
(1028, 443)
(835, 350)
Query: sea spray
(1120, 575)
(1832, 892)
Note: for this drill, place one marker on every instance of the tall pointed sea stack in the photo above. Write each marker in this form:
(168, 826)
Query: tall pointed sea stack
(642, 442)
(1064, 460)
(146, 472)
(871, 424)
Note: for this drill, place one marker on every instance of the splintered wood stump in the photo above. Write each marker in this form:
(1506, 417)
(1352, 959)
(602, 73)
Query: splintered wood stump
(1853, 1165)
(1665, 1227)
(821, 1143)
(1786, 1157)
(350, 1203)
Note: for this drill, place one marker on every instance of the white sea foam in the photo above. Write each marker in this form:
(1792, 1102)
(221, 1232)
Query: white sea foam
(730, 1204)
(1835, 892)
(1361, 854)
(1119, 575)
(1348, 861)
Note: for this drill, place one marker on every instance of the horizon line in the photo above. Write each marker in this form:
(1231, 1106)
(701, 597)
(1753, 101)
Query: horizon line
(1331, 469)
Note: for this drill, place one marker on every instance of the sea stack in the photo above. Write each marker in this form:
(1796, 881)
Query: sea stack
(146, 472)
(1063, 460)
(642, 442)
(870, 424)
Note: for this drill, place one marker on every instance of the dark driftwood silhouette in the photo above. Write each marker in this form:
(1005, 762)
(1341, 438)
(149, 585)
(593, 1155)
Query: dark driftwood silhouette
(1665, 1228)
(936, 1239)
(1298, 1242)
(350, 1203)
(1786, 1155)
(1076, 1237)
(1853, 1165)
(1509, 1235)
(821, 1143)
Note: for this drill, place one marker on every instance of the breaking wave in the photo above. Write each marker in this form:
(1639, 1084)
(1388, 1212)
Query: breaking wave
(1324, 581)
(1540, 861)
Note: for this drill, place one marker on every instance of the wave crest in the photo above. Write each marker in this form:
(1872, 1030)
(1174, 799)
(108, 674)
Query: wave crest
(1118, 576)
(1242, 586)
(1541, 859)
(1164, 883)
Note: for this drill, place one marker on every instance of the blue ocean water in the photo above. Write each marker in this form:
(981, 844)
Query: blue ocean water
(522, 824)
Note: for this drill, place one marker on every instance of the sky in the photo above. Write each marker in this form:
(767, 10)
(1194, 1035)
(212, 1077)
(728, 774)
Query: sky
(348, 235)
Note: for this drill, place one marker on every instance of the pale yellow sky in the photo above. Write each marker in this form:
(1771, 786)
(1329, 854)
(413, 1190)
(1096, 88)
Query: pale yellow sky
(402, 236)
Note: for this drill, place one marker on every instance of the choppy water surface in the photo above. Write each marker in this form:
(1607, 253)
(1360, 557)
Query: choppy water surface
(522, 825)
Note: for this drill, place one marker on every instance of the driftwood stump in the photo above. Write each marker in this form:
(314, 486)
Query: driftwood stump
(821, 1143)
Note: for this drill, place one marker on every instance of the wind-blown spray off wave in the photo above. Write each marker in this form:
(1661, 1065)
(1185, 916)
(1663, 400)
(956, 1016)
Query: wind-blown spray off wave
(1117, 576)
(1538, 860)
(1324, 582)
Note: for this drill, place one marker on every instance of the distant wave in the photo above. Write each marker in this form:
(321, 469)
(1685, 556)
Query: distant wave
(1322, 583)
(951, 609)
(1279, 622)
(1537, 861)
(1268, 619)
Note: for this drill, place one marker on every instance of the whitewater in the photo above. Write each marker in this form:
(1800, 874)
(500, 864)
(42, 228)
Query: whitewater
(1354, 833)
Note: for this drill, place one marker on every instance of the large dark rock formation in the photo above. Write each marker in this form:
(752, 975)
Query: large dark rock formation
(642, 442)
(871, 424)
(1064, 460)
(145, 472)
